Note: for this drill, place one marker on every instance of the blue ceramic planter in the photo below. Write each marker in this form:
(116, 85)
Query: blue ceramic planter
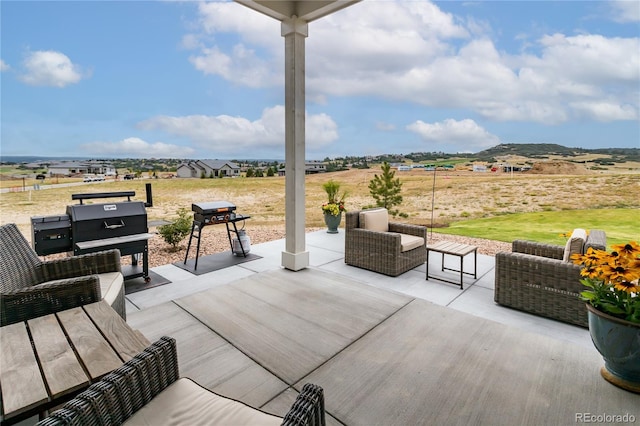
(332, 222)
(618, 341)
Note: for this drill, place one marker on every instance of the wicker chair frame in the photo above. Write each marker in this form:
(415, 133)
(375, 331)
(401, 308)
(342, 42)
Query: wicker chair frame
(30, 287)
(535, 279)
(129, 388)
(381, 251)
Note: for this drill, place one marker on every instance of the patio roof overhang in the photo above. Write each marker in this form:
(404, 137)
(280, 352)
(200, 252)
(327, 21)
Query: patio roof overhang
(308, 10)
(294, 17)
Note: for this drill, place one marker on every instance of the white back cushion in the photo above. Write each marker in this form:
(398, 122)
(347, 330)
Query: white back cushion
(375, 220)
(575, 244)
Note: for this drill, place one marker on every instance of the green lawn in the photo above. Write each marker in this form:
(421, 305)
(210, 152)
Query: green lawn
(621, 225)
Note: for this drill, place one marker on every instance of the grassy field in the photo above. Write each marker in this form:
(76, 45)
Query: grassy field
(496, 206)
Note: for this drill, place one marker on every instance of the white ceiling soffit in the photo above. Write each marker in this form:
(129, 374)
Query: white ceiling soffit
(307, 10)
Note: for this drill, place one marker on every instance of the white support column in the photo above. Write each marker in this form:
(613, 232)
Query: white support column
(295, 257)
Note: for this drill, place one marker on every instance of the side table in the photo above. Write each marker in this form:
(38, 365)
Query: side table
(454, 249)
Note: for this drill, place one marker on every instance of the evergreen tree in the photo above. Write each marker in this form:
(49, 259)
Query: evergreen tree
(386, 190)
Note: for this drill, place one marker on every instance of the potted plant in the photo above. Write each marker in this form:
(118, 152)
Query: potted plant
(334, 206)
(613, 305)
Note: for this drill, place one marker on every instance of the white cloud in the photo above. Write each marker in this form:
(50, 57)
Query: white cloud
(50, 68)
(136, 147)
(257, 66)
(4, 66)
(241, 66)
(625, 10)
(605, 111)
(225, 134)
(414, 52)
(465, 134)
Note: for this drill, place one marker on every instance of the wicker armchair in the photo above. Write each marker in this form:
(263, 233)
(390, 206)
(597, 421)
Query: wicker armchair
(31, 288)
(147, 390)
(535, 279)
(382, 251)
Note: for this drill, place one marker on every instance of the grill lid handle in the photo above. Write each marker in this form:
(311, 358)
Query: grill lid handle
(116, 226)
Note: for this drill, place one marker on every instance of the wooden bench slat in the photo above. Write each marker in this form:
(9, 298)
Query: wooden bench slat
(94, 351)
(125, 340)
(19, 370)
(60, 367)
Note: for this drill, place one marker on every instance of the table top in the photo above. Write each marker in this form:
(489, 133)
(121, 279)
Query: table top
(449, 247)
(46, 360)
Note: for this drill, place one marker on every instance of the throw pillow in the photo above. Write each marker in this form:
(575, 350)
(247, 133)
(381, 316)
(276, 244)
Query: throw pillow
(375, 220)
(575, 244)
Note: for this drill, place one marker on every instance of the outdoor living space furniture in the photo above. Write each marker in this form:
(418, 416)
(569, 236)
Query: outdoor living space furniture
(373, 242)
(31, 288)
(454, 249)
(148, 390)
(541, 278)
(46, 361)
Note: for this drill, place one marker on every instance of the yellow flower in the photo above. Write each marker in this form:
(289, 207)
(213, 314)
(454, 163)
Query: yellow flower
(627, 286)
(613, 280)
(630, 249)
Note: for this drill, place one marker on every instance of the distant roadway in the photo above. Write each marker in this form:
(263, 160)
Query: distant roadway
(19, 188)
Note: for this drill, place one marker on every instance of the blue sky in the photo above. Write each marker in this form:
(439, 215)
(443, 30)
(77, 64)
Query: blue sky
(187, 79)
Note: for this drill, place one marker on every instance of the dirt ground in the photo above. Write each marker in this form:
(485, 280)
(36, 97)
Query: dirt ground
(437, 198)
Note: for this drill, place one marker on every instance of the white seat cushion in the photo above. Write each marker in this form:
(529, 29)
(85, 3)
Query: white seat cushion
(575, 244)
(185, 402)
(110, 285)
(409, 242)
(375, 220)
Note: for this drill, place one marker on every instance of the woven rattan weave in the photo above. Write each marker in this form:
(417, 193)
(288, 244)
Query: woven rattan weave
(126, 390)
(30, 287)
(381, 251)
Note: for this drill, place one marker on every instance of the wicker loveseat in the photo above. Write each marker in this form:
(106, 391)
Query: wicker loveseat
(31, 288)
(373, 242)
(147, 390)
(541, 279)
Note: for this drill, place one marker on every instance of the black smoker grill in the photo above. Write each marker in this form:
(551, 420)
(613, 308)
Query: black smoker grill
(88, 228)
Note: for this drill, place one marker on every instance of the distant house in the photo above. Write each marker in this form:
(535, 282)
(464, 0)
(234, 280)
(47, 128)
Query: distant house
(479, 168)
(404, 168)
(70, 168)
(208, 168)
(310, 168)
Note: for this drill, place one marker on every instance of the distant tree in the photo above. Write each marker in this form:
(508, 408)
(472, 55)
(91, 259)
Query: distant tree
(203, 175)
(250, 172)
(270, 172)
(386, 190)
(259, 173)
(211, 175)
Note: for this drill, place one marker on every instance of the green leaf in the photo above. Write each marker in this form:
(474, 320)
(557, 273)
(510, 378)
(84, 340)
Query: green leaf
(587, 283)
(588, 295)
(612, 309)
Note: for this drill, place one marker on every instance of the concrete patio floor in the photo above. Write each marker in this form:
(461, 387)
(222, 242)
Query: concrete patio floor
(402, 350)
(327, 254)
(387, 351)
